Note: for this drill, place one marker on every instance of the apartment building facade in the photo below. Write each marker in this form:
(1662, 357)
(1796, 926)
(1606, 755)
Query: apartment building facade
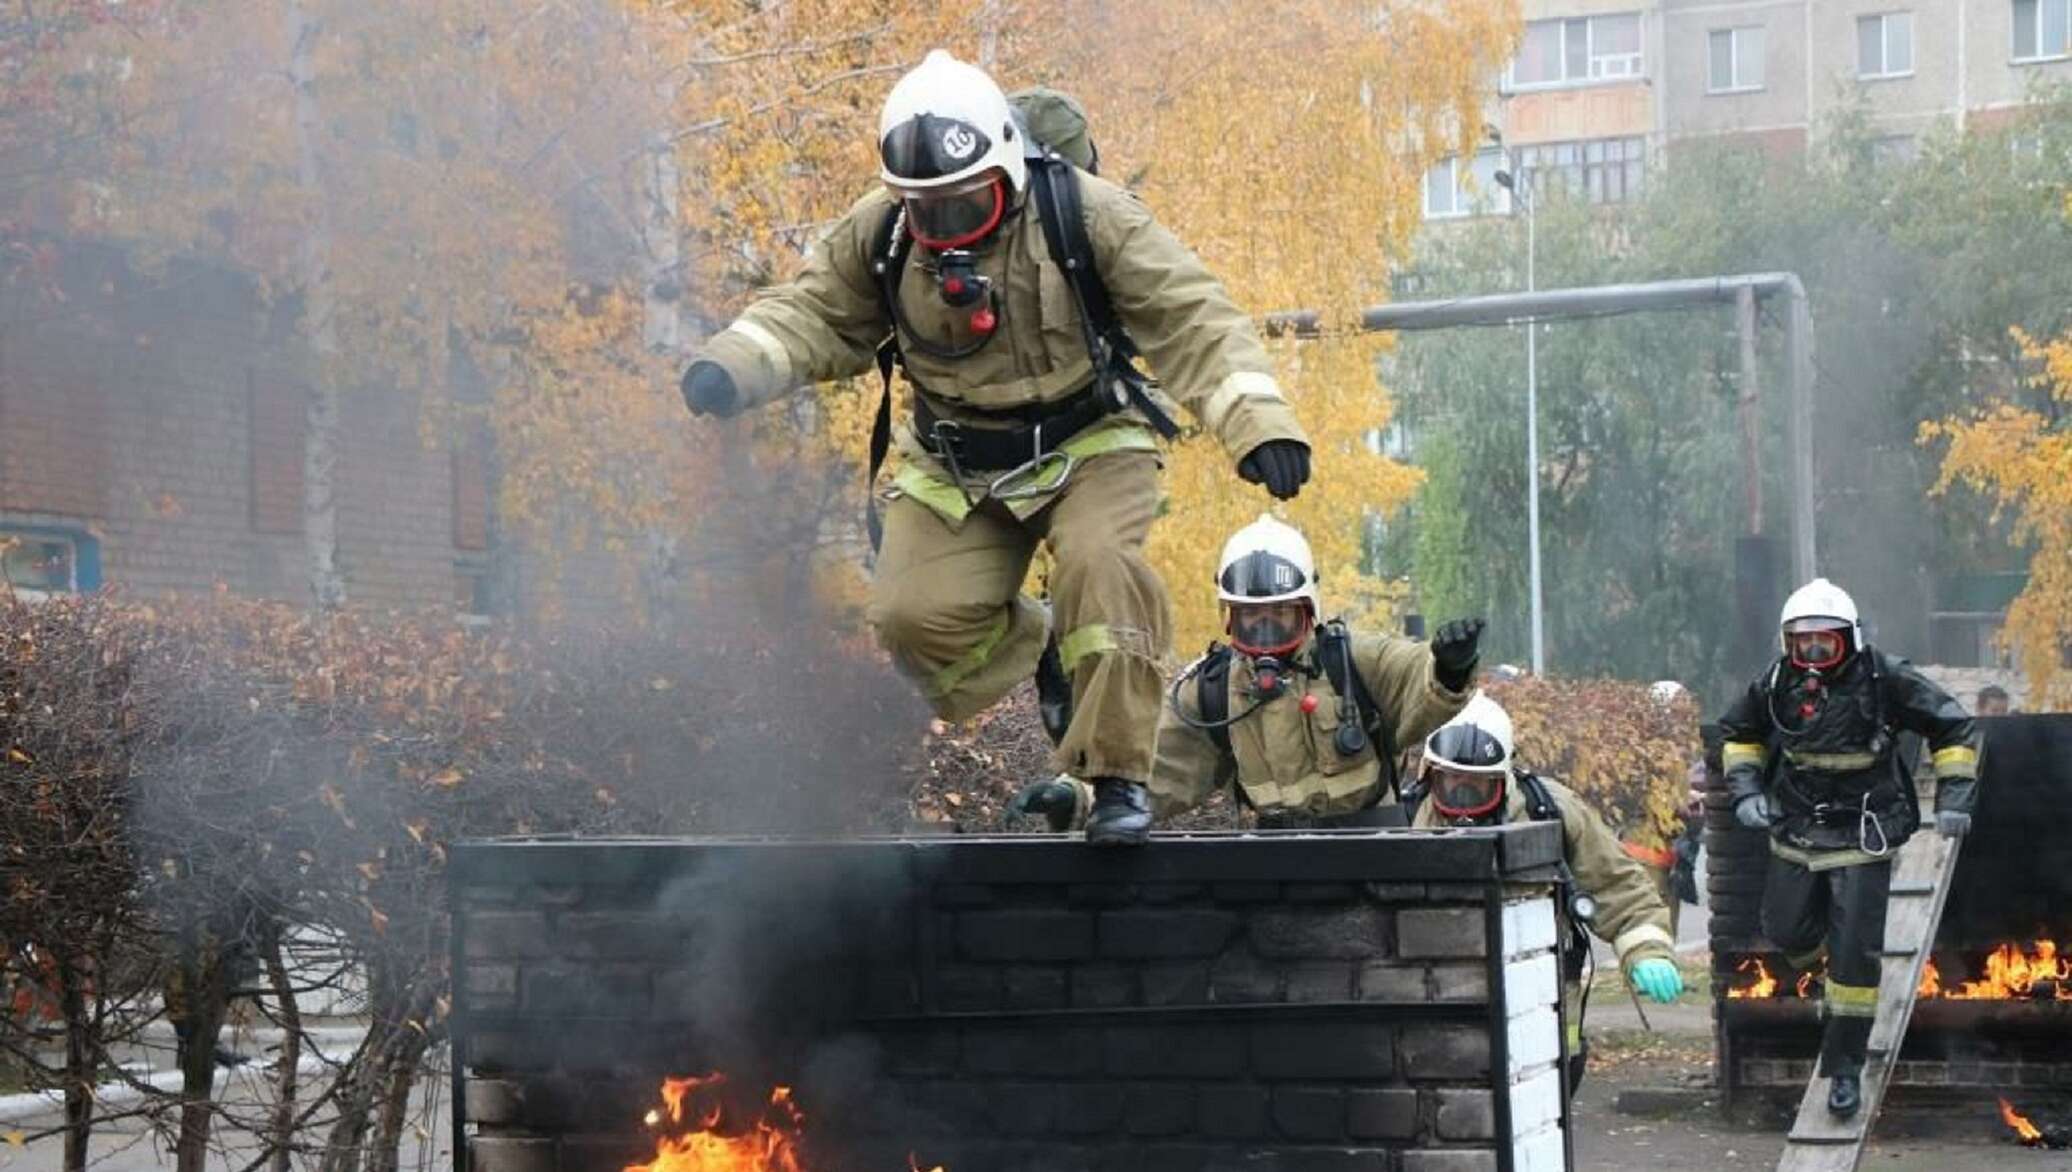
(1599, 89)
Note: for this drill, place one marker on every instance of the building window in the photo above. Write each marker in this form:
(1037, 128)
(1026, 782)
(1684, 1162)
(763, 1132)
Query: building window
(2042, 29)
(1578, 50)
(1601, 170)
(275, 418)
(1885, 45)
(1736, 60)
(1451, 191)
(471, 494)
(39, 560)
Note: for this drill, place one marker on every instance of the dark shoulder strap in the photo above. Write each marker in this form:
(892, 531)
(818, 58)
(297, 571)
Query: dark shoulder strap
(1063, 216)
(1064, 229)
(888, 262)
(1334, 647)
(1212, 694)
(1539, 802)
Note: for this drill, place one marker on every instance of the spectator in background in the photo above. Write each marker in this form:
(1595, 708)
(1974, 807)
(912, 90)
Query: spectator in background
(1992, 701)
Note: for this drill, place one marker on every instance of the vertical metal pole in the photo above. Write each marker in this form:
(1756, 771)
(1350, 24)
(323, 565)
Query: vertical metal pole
(457, 1027)
(1747, 406)
(1799, 341)
(1532, 436)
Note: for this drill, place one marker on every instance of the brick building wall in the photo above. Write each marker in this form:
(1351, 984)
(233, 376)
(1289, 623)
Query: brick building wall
(1270, 1002)
(162, 416)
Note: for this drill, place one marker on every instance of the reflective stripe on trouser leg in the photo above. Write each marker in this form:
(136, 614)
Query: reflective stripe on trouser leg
(945, 603)
(1112, 615)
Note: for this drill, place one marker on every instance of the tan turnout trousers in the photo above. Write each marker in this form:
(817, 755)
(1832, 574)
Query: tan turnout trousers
(947, 602)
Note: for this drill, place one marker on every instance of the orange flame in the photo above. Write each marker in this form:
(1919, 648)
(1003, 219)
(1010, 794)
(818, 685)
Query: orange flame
(2022, 1127)
(772, 1143)
(2012, 971)
(1764, 985)
(1931, 982)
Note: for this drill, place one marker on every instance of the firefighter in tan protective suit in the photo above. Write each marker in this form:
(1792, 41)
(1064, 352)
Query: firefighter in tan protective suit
(1301, 716)
(1029, 424)
(1469, 779)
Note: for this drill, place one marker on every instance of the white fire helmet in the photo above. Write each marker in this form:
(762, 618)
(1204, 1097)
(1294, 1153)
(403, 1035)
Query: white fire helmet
(1665, 692)
(1820, 606)
(1467, 760)
(1264, 564)
(946, 123)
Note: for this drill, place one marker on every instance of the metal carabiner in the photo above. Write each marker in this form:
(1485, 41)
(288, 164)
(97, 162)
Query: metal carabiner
(1030, 470)
(1867, 822)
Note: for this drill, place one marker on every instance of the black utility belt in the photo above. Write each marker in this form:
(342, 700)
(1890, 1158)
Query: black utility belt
(1842, 810)
(1029, 435)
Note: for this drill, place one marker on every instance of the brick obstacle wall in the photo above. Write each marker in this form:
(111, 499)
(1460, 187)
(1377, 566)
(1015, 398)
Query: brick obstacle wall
(2013, 882)
(1378, 1000)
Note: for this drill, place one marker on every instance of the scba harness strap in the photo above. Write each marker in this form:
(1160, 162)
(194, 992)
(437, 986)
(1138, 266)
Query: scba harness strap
(1054, 192)
(1334, 647)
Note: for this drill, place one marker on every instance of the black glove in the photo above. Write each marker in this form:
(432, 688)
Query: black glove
(1455, 649)
(709, 390)
(1054, 798)
(1282, 465)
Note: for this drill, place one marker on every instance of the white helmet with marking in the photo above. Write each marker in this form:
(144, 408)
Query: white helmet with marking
(1265, 564)
(1467, 760)
(945, 122)
(1819, 627)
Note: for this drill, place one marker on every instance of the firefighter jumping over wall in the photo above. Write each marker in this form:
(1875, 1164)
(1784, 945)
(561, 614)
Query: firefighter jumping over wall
(1811, 756)
(1302, 716)
(1015, 288)
(1469, 778)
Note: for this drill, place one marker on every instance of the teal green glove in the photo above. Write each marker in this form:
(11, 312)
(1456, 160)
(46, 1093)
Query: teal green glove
(1658, 979)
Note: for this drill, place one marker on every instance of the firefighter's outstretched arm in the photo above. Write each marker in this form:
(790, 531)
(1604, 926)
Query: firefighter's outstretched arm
(1630, 914)
(823, 324)
(1745, 754)
(1201, 346)
(1919, 706)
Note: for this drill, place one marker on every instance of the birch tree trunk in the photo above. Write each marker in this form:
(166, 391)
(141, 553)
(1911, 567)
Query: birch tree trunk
(320, 438)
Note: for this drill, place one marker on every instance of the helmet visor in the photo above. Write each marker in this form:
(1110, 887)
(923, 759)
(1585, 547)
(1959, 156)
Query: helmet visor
(1261, 575)
(957, 217)
(1269, 628)
(1459, 794)
(1817, 643)
(1466, 748)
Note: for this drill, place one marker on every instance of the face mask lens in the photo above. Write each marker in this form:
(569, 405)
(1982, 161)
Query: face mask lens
(954, 219)
(1816, 643)
(1464, 793)
(1268, 628)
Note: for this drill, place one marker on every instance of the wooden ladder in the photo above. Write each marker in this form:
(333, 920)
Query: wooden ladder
(1920, 883)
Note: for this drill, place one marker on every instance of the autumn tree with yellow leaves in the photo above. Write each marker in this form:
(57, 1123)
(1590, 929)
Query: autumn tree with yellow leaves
(2020, 456)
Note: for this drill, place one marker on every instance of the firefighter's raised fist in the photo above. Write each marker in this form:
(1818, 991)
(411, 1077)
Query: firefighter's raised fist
(1282, 465)
(1455, 650)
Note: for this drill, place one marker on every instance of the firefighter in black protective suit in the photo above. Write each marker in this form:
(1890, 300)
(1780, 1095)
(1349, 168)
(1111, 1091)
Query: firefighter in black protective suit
(1810, 756)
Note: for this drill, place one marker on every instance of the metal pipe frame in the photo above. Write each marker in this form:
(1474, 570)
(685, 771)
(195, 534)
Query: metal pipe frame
(1496, 309)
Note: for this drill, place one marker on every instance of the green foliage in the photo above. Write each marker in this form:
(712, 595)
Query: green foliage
(1915, 270)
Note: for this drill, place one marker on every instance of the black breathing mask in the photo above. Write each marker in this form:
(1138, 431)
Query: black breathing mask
(961, 286)
(1269, 678)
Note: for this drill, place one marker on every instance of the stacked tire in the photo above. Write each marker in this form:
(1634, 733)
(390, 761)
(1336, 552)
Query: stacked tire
(1737, 859)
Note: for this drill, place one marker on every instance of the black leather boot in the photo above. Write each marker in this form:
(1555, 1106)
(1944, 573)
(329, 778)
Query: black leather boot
(1053, 692)
(1121, 814)
(1845, 1094)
